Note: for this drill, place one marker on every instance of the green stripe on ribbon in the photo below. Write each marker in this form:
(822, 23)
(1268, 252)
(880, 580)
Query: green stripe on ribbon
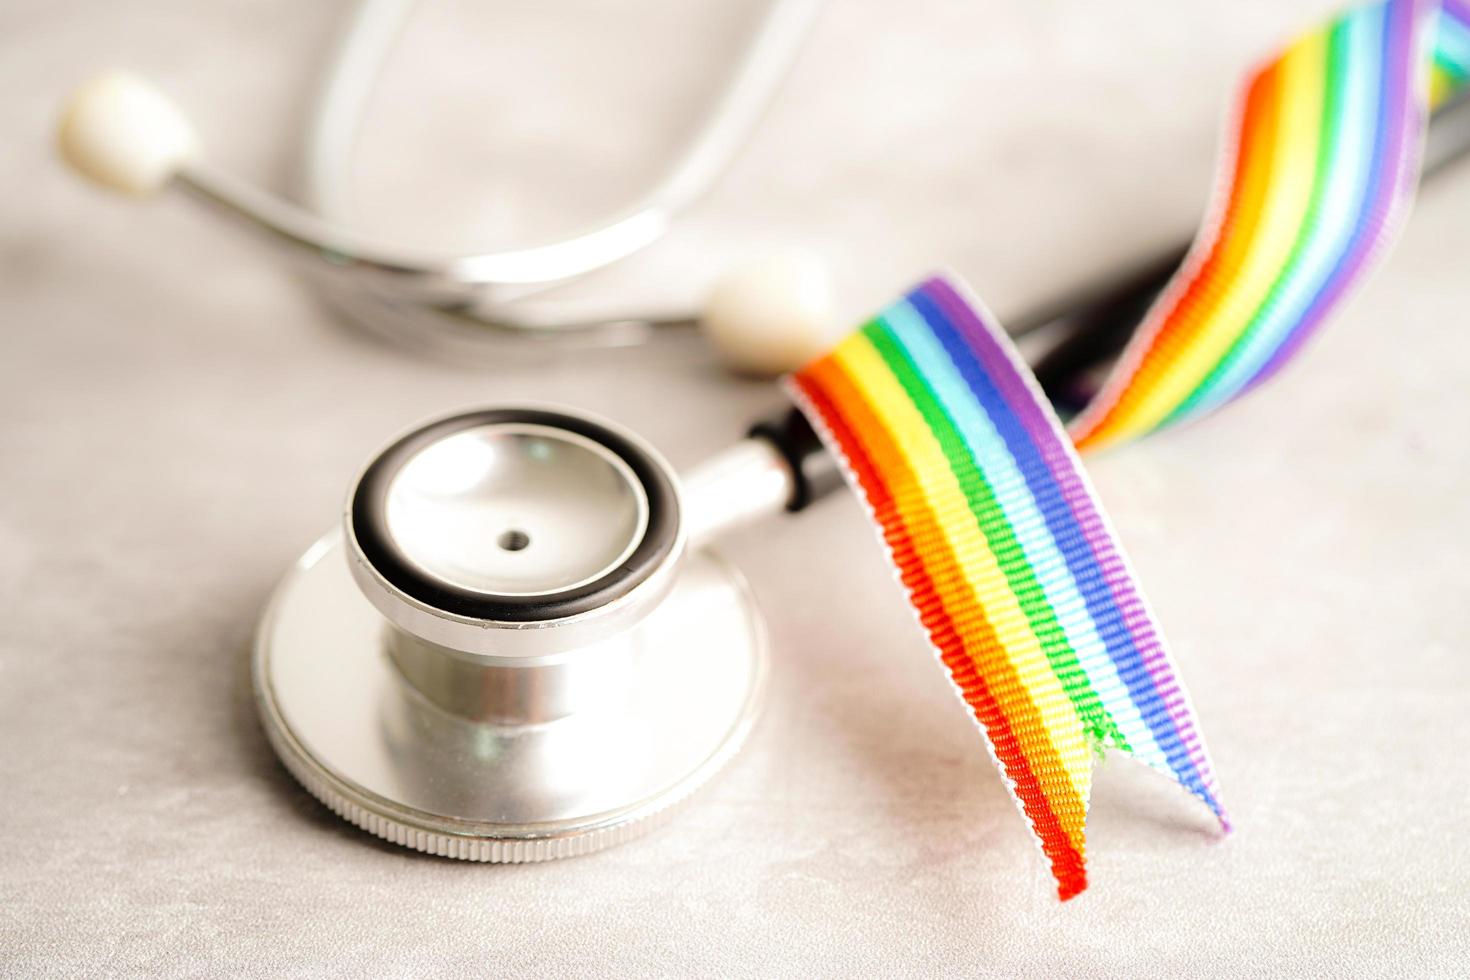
(999, 536)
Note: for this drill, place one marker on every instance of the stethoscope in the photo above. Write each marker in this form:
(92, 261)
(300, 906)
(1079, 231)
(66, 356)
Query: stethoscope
(518, 644)
(768, 314)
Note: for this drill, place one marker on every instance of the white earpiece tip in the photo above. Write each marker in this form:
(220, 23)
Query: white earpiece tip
(771, 314)
(124, 134)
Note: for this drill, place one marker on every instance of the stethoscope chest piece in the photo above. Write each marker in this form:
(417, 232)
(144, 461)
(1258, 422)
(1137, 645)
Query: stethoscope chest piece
(508, 652)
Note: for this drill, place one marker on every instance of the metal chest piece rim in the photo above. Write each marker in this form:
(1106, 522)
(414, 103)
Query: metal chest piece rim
(465, 697)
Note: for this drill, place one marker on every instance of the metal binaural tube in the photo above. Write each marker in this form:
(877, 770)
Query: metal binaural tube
(460, 281)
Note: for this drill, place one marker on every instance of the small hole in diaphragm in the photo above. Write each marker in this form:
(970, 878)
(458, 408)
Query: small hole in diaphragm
(514, 540)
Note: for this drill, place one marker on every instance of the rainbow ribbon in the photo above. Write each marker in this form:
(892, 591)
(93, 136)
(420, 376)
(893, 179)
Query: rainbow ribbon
(1315, 184)
(988, 517)
(1006, 556)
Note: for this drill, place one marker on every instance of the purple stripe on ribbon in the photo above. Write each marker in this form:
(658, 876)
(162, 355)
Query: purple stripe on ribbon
(1395, 171)
(1048, 438)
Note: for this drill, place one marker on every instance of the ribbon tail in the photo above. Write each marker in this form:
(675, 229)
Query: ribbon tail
(1008, 562)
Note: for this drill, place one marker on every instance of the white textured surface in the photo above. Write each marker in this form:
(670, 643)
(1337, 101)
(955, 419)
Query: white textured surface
(177, 421)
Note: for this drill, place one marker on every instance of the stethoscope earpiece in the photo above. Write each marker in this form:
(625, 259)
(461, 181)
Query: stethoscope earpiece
(124, 134)
(772, 313)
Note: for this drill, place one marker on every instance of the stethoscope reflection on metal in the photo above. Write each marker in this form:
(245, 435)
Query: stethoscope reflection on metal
(518, 646)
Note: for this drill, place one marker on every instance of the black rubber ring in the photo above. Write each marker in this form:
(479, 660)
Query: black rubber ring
(370, 525)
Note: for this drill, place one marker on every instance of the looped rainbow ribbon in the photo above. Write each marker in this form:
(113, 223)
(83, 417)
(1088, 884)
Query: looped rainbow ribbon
(977, 490)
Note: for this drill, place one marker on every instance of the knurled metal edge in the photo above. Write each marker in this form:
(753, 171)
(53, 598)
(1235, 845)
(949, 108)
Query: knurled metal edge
(574, 841)
(500, 850)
